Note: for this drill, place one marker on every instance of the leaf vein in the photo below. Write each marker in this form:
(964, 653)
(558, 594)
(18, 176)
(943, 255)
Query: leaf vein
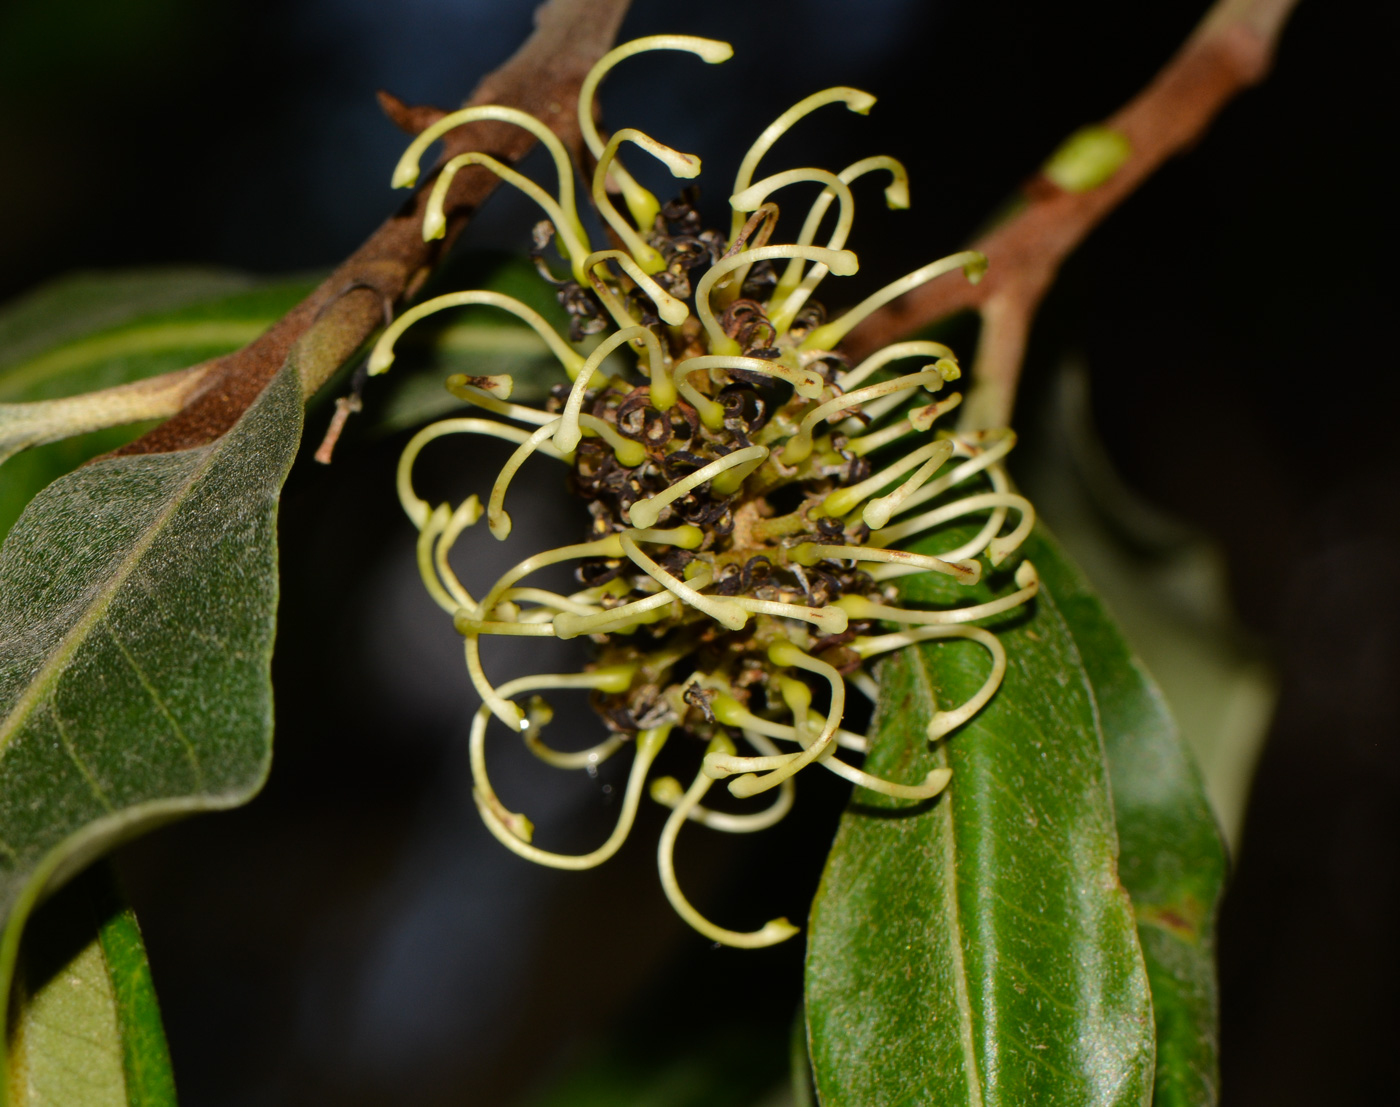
(960, 986)
(55, 664)
(191, 754)
(1033, 1054)
(78, 761)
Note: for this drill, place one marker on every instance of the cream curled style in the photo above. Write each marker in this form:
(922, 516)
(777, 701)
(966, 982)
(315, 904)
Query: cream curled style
(716, 612)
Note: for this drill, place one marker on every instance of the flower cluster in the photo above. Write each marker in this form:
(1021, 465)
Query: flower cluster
(715, 613)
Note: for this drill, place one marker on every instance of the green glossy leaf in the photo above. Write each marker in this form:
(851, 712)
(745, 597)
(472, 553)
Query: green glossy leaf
(87, 1025)
(145, 1055)
(95, 331)
(137, 604)
(1171, 858)
(979, 949)
(1168, 589)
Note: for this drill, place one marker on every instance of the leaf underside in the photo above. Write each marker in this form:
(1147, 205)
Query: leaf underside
(979, 949)
(973, 950)
(137, 595)
(96, 331)
(87, 1026)
(137, 603)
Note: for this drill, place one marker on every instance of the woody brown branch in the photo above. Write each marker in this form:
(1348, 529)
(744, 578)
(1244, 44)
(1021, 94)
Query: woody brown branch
(1231, 50)
(326, 328)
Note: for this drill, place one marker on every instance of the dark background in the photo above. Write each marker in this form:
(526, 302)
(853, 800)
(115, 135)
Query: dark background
(354, 936)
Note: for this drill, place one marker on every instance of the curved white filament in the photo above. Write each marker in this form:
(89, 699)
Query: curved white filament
(382, 356)
(804, 381)
(627, 616)
(459, 385)
(981, 502)
(829, 335)
(894, 352)
(668, 308)
(721, 610)
(975, 545)
(466, 515)
(629, 452)
(645, 513)
(680, 165)
(829, 619)
(754, 196)
(841, 262)
(567, 436)
(896, 197)
(786, 654)
(772, 932)
(982, 457)
(944, 721)
(731, 712)
(799, 446)
(414, 507)
(854, 99)
(847, 499)
(640, 203)
(809, 553)
(573, 242)
(649, 743)
(497, 518)
(1027, 583)
(668, 791)
(406, 172)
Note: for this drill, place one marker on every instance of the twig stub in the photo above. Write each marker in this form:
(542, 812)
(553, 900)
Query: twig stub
(1232, 49)
(341, 314)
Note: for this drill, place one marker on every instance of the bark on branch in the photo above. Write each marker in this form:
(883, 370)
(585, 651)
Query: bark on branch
(326, 328)
(1230, 50)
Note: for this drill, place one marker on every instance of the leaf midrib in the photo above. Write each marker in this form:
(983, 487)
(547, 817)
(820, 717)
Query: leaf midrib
(136, 340)
(58, 658)
(950, 898)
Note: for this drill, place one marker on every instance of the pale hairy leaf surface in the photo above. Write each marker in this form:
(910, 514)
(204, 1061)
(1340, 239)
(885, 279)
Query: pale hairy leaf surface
(99, 330)
(65, 1047)
(1172, 859)
(979, 949)
(137, 604)
(87, 1026)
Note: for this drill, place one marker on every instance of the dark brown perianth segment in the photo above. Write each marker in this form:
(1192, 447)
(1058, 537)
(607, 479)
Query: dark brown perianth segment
(746, 538)
(747, 489)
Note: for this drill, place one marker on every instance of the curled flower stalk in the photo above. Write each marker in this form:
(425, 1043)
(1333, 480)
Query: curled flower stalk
(750, 492)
